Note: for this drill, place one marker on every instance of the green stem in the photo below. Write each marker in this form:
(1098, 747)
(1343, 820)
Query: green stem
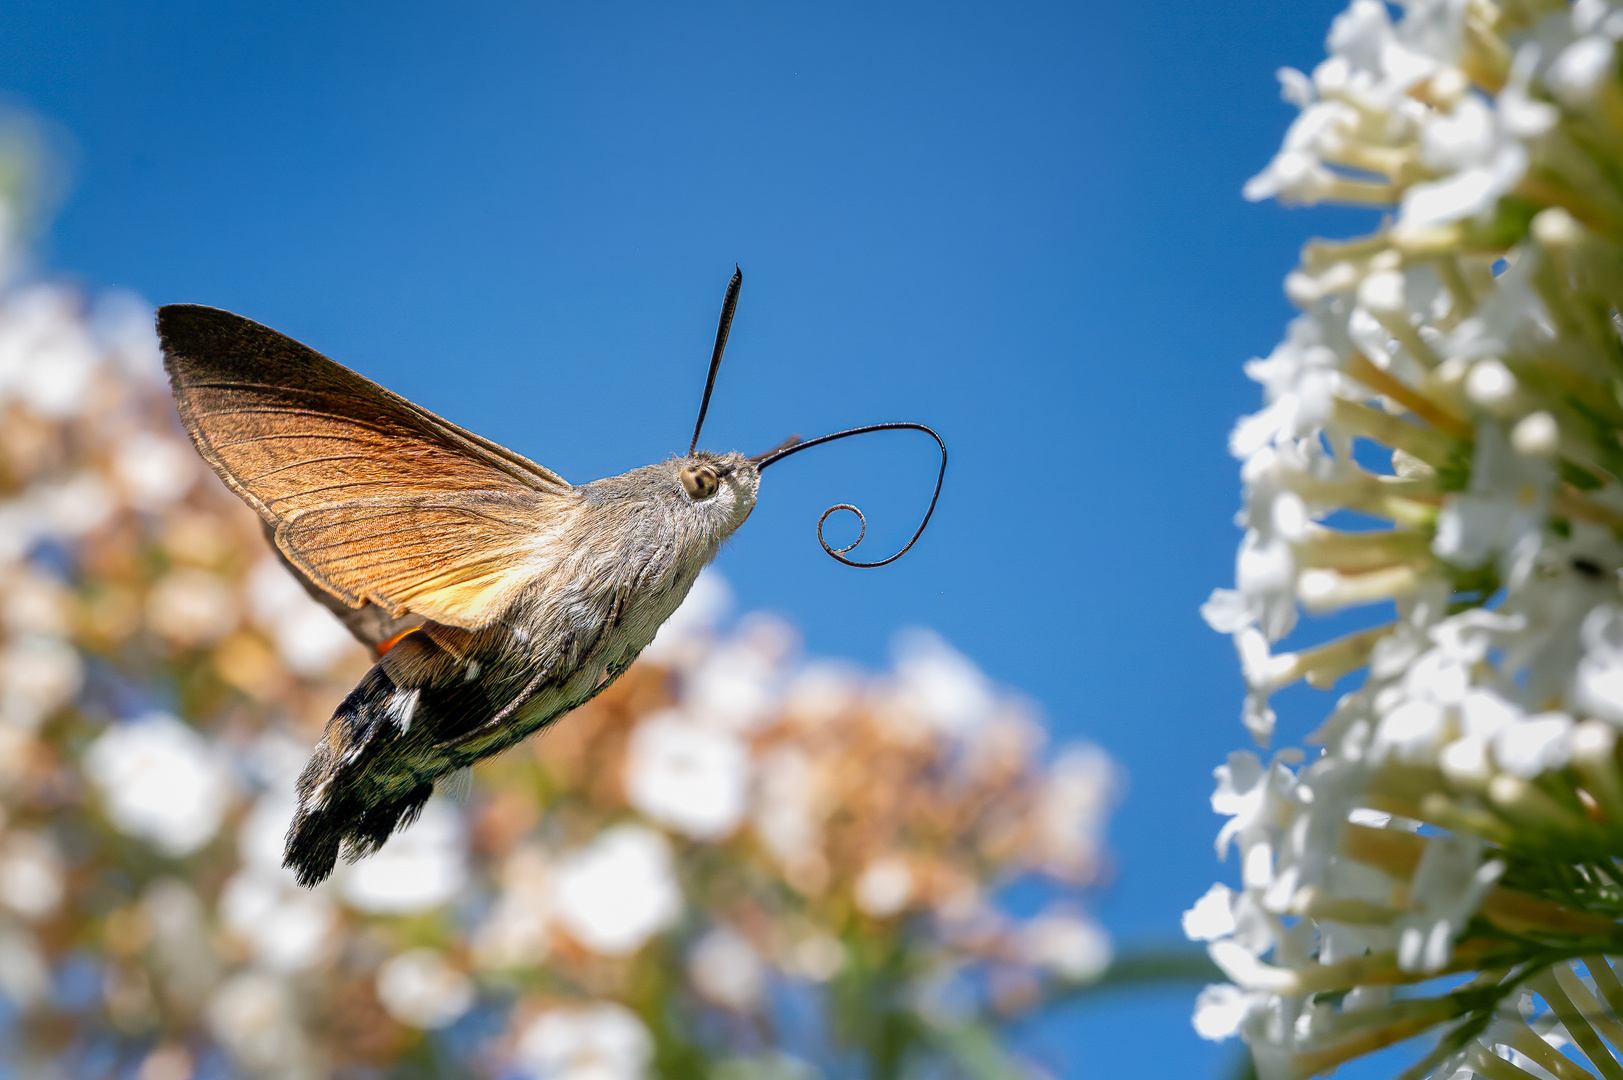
(1149, 967)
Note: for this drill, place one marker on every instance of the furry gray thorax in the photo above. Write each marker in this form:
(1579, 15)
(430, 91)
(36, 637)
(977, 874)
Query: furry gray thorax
(619, 563)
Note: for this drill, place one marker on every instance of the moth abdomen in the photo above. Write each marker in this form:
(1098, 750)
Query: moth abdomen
(351, 794)
(391, 739)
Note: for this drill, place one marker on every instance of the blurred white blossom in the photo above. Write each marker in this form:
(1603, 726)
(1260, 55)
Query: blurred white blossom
(688, 776)
(31, 874)
(66, 508)
(161, 781)
(518, 929)
(155, 470)
(815, 956)
(192, 607)
(288, 927)
(736, 683)
(618, 891)
(25, 978)
(38, 675)
(419, 988)
(121, 322)
(1071, 945)
(1075, 800)
(600, 1041)
(37, 604)
(885, 887)
(254, 1014)
(726, 969)
(46, 356)
(1219, 1010)
(939, 684)
(788, 812)
(308, 637)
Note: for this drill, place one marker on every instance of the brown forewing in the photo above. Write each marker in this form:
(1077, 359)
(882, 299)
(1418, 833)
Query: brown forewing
(372, 625)
(372, 497)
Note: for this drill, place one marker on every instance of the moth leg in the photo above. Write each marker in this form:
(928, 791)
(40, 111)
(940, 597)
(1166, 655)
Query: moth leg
(456, 786)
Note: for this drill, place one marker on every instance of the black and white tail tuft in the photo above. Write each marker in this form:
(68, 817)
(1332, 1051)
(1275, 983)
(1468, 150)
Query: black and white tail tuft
(345, 806)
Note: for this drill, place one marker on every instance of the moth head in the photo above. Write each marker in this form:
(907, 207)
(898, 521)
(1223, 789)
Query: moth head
(721, 487)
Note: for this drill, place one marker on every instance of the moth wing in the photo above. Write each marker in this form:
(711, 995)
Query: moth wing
(455, 557)
(373, 498)
(371, 624)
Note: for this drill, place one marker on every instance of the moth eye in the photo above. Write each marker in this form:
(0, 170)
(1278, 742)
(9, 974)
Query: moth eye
(699, 482)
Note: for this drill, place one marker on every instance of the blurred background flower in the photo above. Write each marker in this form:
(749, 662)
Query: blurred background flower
(738, 861)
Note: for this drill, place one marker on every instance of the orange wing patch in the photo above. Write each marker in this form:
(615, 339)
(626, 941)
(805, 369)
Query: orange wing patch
(385, 645)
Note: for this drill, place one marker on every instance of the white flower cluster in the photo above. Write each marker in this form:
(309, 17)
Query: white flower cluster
(1441, 439)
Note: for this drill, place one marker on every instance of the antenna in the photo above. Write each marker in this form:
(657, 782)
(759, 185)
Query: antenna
(729, 304)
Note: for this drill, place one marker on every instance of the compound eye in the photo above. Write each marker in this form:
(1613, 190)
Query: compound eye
(699, 481)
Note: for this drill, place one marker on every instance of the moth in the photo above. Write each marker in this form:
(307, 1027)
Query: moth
(496, 595)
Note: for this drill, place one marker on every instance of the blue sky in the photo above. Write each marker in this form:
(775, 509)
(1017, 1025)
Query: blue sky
(1018, 223)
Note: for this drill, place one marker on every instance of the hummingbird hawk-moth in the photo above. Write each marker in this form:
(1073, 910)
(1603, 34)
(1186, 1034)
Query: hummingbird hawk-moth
(496, 595)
